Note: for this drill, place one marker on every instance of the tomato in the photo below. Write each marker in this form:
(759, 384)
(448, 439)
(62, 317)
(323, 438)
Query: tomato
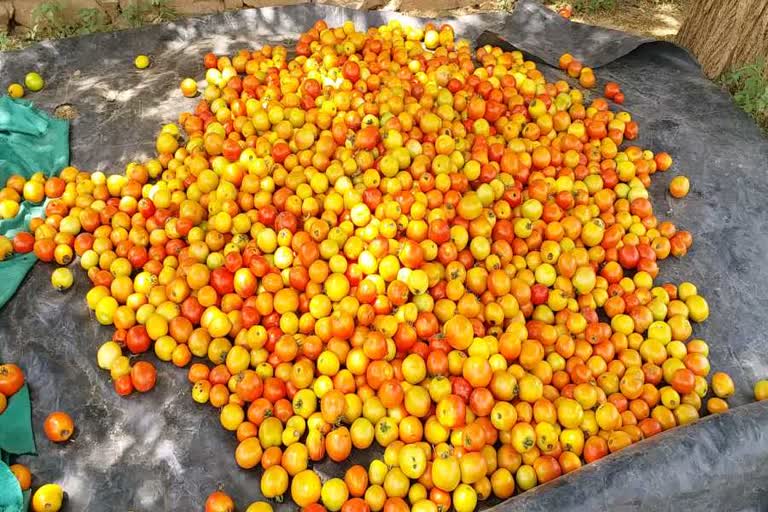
(48, 498)
(248, 453)
(761, 390)
(249, 386)
(351, 71)
(683, 380)
(23, 242)
(338, 444)
(412, 461)
(459, 332)
(446, 473)
(295, 458)
(124, 385)
(143, 376)
(503, 416)
(315, 445)
(464, 498)
(23, 475)
(595, 448)
(334, 494)
(473, 467)
(305, 488)
(11, 379)
(259, 506)
(274, 482)
(356, 479)
(137, 340)
(367, 138)
(679, 186)
(355, 505)
(59, 427)
(451, 411)
(547, 468)
(722, 385)
(611, 89)
(218, 501)
(332, 406)
(477, 371)
(395, 504)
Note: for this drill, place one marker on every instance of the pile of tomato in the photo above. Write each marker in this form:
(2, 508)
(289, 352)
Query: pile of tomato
(392, 240)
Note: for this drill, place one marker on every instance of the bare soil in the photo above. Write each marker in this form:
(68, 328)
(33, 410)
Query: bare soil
(654, 18)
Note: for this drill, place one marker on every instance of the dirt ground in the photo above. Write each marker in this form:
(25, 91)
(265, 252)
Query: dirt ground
(655, 18)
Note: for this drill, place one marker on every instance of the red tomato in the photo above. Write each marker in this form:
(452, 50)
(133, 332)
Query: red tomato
(137, 340)
(124, 385)
(143, 376)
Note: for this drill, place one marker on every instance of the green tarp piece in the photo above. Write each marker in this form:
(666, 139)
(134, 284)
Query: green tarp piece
(16, 438)
(30, 141)
(11, 498)
(16, 435)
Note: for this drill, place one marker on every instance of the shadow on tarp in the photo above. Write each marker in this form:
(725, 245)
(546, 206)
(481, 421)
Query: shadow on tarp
(164, 452)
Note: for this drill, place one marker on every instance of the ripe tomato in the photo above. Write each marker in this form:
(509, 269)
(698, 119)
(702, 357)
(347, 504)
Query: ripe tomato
(248, 453)
(338, 444)
(124, 385)
(23, 242)
(355, 505)
(143, 376)
(137, 339)
(23, 475)
(451, 411)
(305, 488)
(59, 427)
(274, 482)
(11, 379)
(218, 501)
(356, 479)
(459, 332)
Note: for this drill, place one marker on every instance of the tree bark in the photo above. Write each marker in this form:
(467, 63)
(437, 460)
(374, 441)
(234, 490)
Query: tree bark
(725, 34)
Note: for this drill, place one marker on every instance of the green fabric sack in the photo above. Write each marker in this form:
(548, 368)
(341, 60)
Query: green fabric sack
(30, 141)
(11, 498)
(16, 438)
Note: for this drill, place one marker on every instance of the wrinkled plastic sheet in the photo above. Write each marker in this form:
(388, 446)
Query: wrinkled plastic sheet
(162, 451)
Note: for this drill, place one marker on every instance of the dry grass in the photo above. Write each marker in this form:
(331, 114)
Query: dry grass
(654, 18)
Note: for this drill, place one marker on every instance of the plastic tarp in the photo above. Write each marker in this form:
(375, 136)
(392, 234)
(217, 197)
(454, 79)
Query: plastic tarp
(162, 451)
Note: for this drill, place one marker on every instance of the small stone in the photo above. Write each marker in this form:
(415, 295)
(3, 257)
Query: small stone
(22, 12)
(6, 15)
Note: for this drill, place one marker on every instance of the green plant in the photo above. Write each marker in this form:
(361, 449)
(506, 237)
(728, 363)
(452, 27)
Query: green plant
(593, 6)
(749, 87)
(91, 20)
(132, 15)
(8, 42)
(49, 21)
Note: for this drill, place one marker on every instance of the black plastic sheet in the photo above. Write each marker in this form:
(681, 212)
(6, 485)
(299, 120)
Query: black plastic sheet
(161, 451)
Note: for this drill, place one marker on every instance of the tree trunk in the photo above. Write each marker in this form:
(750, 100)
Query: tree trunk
(724, 34)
